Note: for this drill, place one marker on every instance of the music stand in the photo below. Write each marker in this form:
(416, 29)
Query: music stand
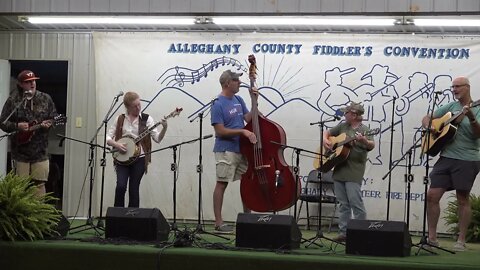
(173, 168)
(199, 228)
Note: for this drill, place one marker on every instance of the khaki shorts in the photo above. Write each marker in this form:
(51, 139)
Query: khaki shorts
(230, 166)
(38, 170)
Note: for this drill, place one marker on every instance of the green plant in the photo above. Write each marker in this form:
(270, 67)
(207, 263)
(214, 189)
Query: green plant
(23, 214)
(451, 218)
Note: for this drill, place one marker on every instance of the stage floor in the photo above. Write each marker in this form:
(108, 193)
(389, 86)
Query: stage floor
(90, 250)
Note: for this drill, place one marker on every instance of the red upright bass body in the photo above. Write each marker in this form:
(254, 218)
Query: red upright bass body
(269, 184)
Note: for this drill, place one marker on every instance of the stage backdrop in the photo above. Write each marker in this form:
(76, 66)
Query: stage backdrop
(302, 79)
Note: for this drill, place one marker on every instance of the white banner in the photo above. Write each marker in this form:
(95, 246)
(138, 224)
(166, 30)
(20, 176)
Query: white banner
(302, 78)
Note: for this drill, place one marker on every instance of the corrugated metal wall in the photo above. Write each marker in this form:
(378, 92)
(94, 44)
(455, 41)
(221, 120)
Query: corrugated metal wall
(237, 6)
(77, 49)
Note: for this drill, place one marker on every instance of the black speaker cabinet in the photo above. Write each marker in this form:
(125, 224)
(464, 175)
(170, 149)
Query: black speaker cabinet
(267, 231)
(61, 229)
(378, 238)
(142, 224)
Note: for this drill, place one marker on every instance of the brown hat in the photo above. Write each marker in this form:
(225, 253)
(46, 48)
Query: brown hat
(354, 107)
(228, 75)
(27, 75)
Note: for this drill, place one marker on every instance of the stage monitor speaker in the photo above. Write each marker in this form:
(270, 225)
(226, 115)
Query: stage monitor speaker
(61, 229)
(378, 238)
(141, 224)
(267, 231)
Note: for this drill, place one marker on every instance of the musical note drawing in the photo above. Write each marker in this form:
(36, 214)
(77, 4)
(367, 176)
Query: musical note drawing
(178, 76)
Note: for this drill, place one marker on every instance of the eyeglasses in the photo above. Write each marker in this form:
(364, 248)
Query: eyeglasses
(457, 86)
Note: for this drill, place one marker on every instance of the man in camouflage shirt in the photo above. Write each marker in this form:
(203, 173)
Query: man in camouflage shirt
(28, 114)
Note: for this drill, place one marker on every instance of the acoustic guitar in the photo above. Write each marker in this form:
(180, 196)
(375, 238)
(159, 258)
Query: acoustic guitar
(442, 132)
(132, 144)
(23, 137)
(339, 152)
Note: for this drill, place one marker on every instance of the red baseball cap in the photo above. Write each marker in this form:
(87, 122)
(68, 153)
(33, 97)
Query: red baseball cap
(27, 75)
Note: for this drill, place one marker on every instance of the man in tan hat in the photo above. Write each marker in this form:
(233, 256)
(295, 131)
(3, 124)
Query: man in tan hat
(29, 113)
(348, 175)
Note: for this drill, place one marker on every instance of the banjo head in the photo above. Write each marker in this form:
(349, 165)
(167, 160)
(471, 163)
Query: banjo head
(131, 149)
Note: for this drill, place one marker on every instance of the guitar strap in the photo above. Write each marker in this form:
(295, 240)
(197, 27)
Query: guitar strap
(146, 142)
(118, 131)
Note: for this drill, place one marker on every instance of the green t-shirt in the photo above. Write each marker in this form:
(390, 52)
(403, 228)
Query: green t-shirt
(353, 168)
(464, 146)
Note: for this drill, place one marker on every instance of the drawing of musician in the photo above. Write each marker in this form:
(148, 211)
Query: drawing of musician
(129, 167)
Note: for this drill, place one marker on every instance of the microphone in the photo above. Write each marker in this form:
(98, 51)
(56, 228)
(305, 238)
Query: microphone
(439, 92)
(338, 114)
(119, 94)
(207, 136)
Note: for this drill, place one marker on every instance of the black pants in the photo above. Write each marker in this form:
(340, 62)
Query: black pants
(131, 174)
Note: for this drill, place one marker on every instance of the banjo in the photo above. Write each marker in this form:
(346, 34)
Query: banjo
(132, 144)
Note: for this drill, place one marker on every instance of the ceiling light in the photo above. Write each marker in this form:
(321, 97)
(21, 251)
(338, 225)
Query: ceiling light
(110, 20)
(302, 21)
(446, 22)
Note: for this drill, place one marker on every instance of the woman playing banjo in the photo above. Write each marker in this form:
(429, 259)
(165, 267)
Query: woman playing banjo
(131, 136)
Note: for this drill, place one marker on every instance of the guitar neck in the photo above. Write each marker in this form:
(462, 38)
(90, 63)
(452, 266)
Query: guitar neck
(452, 118)
(35, 127)
(346, 141)
(474, 104)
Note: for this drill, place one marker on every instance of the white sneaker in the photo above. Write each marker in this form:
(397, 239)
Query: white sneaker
(459, 246)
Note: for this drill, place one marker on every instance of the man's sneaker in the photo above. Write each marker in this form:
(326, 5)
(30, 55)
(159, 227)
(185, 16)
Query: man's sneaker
(459, 246)
(340, 238)
(224, 228)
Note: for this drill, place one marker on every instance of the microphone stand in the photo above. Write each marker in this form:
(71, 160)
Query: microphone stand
(319, 235)
(89, 223)
(390, 158)
(199, 228)
(10, 115)
(108, 116)
(408, 176)
(173, 168)
(424, 241)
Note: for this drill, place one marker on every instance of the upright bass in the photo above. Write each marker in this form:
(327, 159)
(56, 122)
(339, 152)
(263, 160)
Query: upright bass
(269, 184)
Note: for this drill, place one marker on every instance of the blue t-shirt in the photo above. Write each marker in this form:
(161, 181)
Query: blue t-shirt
(229, 112)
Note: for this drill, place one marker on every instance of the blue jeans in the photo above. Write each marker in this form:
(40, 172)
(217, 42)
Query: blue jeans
(349, 195)
(131, 174)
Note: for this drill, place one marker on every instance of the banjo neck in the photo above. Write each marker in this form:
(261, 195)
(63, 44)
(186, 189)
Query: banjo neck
(147, 131)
